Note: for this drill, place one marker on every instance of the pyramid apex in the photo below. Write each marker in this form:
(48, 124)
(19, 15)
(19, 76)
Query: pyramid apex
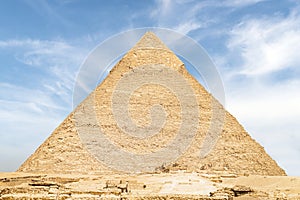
(150, 40)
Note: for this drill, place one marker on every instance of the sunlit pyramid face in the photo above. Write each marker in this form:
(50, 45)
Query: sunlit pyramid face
(149, 113)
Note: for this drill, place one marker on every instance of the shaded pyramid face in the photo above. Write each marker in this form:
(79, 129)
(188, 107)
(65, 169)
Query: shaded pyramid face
(150, 112)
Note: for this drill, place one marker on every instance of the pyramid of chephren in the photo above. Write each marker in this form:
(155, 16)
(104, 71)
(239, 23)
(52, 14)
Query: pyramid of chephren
(71, 147)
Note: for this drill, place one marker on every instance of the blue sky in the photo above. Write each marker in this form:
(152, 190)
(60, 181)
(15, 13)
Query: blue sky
(254, 43)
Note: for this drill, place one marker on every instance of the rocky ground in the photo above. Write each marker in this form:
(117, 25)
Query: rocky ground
(171, 185)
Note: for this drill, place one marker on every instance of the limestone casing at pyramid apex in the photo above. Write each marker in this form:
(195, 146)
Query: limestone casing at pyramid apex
(148, 50)
(150, 40)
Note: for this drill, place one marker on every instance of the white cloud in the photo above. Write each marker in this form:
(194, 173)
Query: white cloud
(267, 45)
(188, 26)
(44, 52)
(58, 59)
(241, 3)
(17, 94)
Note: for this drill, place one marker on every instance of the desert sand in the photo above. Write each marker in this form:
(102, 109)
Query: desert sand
(171, 185)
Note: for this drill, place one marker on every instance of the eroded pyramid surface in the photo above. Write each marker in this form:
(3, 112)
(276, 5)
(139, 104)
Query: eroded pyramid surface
(153, 115)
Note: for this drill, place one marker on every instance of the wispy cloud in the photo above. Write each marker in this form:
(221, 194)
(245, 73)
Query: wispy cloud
(267, 45)
(46, 10)
(179, 15)
(29, 112)
(36, 52)
(186, 16)
(188, 26)
(36, 99)
(239, 3)
(59, 60)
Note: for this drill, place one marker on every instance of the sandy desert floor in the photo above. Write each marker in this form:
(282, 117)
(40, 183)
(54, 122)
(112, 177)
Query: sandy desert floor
(172, 185)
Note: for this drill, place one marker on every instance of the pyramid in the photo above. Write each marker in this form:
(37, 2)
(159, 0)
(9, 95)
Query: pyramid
(132, 120)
